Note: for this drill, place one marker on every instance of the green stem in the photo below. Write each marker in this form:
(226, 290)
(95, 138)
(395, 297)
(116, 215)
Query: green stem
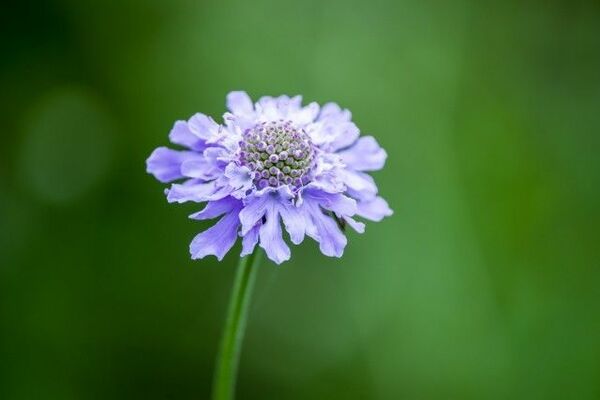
(233, 334)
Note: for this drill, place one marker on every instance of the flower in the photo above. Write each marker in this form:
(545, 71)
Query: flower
(271, 162)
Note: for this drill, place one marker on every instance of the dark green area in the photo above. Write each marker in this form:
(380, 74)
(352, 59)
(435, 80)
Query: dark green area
(485, 284)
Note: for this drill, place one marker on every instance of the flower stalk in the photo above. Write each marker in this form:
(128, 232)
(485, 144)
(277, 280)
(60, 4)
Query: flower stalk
(235, 324)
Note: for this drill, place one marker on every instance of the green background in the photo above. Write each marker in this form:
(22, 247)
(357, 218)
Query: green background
(484, 284)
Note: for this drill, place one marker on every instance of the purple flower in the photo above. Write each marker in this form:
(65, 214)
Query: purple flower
(270, 163)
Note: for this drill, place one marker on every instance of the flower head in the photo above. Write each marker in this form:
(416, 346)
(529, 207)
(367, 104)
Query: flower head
(270, 163)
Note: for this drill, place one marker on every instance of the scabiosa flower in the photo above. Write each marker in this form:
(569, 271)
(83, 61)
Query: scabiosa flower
(270, 163)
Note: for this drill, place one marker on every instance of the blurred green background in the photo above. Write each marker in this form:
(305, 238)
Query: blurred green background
(485, 283)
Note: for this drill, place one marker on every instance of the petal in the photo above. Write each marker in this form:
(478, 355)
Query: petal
(305, 115)
(218, 207)
(200, 168)
(271, 238)
(364, 155)
(203, 127)
(239, 177)
(292, 109)
(195, 190)
(266, 108)
(294, 221)
(241, 122)
(217, 156)
(327, 173)
(336, 202)
(331, 240)
(346, 135)
(332, 111)
(165, 163)
(253, 211)
(218, 239)
(359, 185)
(333, 135)
(183, 136)
(284, 107)
(290, 104)
(208, 165)
(343, 206)
(354, 224)
(321, 227)
(333, 129)
(239, 103)
(249, 241)
(256, 205)
(267, 206)
(375, 209)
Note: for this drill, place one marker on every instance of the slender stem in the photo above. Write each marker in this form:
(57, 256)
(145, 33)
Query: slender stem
(233, 334)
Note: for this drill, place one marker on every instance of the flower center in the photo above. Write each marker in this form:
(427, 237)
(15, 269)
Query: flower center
(278, 152)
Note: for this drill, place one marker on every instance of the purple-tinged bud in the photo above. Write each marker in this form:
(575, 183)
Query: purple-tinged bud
(278, 150)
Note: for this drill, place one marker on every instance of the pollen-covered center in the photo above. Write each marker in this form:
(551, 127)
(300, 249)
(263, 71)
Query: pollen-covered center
(278, 152)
